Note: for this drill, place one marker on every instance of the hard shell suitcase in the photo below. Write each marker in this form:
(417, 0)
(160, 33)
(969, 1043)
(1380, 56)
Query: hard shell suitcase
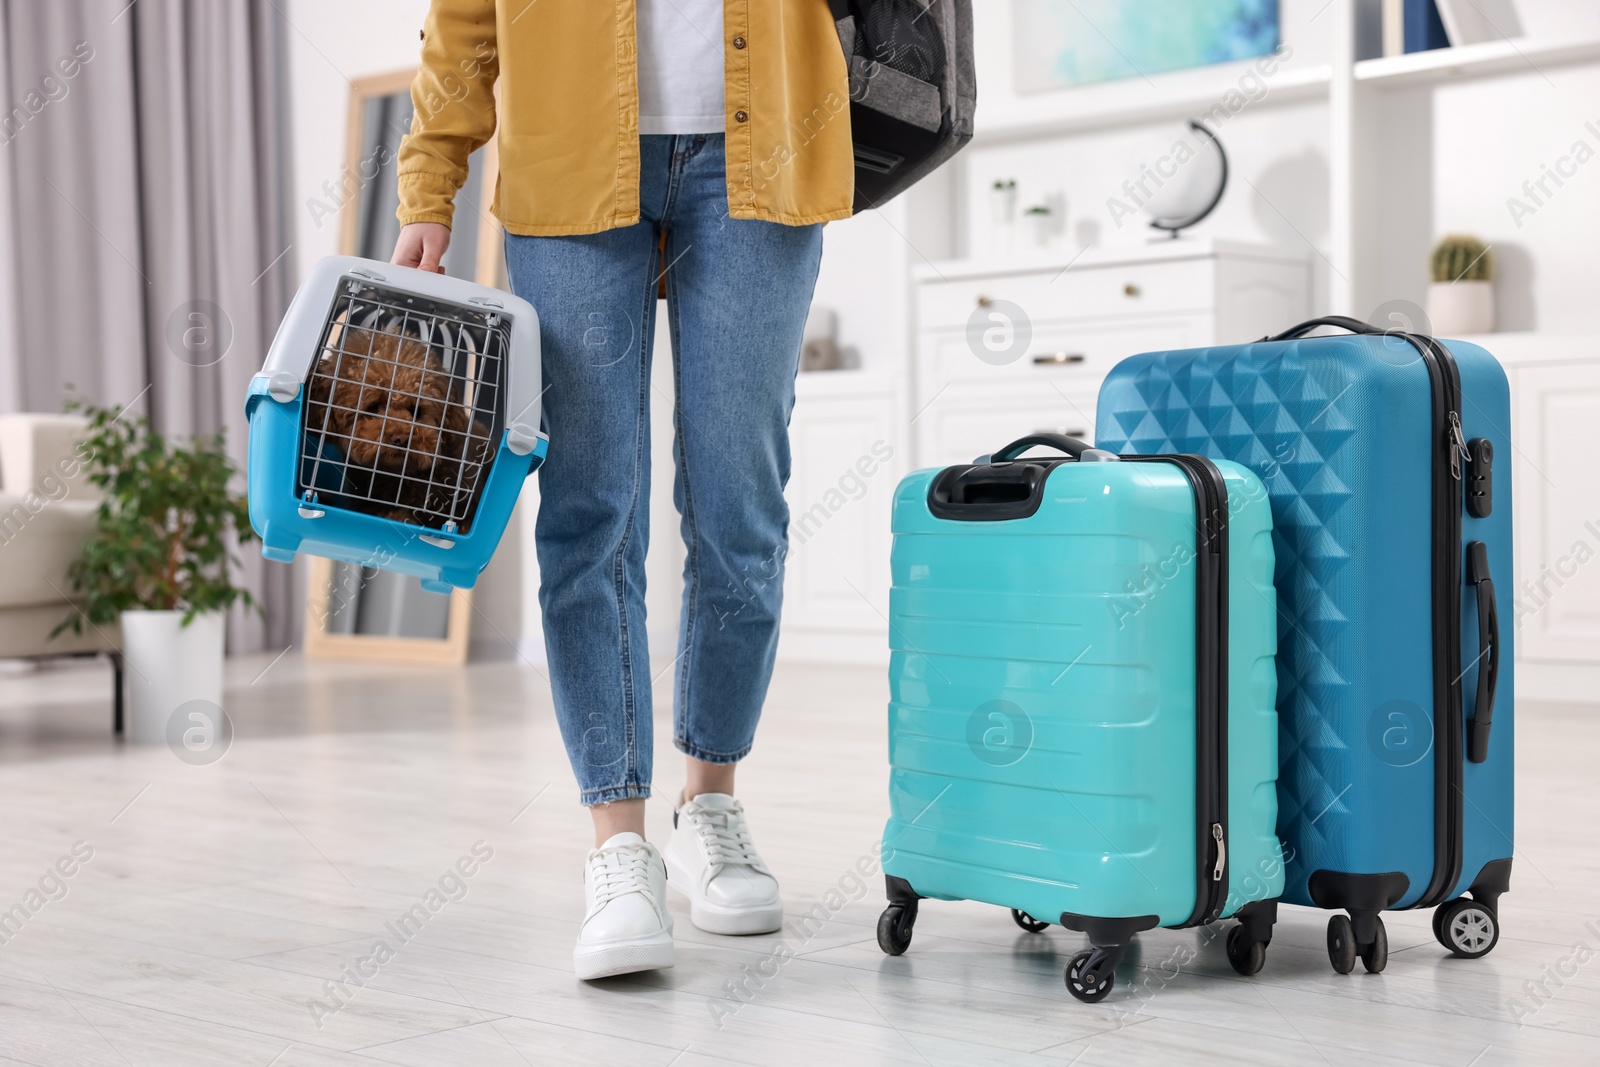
(1081, 722)
(1387, 460)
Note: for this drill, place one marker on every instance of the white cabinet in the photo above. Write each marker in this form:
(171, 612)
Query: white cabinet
(1554, 597)
(847, 462)
(1557, 490)
(1004, 350)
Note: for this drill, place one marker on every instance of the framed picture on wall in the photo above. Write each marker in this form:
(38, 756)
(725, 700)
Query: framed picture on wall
(1058, 46)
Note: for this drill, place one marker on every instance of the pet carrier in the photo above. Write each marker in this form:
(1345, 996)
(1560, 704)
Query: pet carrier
(394, 422)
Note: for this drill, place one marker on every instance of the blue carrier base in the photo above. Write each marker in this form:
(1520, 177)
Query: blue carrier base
(289, 523)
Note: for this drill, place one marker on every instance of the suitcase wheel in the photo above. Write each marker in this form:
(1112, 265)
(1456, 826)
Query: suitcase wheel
(1344, 949)
(1247, 955)
(1375, 953)
(1341, 944)
(1468, 928)
(1028, 922)
(894, 928)
(1090, 974)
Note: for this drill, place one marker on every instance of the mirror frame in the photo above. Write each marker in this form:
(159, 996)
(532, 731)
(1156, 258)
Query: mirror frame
(452, 648)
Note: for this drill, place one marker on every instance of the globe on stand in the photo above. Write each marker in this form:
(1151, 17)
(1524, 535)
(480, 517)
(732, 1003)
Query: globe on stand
(1193, 175)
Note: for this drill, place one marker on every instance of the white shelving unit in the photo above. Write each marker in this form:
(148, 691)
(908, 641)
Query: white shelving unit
(1474, 61)
(1291, 87)
(1370, 131)
(1383, 123)
(1375, 158)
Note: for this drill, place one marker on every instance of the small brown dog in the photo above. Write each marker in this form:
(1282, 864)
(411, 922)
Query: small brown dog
(384, 401)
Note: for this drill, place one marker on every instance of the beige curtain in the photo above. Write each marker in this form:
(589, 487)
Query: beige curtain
(143, 229)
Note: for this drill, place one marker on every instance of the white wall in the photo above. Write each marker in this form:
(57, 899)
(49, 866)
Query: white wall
(1277, 191)
(331, 44)
(1489, 137)
(861, 279)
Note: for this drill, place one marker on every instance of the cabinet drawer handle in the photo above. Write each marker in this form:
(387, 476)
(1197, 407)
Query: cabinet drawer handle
(984, 301)
(1130, 290)
(1058, 357)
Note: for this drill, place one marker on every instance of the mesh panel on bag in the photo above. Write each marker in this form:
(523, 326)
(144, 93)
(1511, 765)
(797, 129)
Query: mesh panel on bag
(903, 35)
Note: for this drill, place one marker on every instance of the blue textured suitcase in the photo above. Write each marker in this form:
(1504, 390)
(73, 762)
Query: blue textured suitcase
(1387, 460)
(1081, 721)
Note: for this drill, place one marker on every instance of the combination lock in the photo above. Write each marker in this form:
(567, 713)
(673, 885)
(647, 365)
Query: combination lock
(1480, 477)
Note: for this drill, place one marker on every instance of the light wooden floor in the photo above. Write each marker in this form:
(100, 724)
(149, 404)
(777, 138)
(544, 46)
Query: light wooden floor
(220, 898)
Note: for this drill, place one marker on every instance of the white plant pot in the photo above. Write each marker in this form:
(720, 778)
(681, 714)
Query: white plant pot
(1003, 204)
(166, 665)
(1039, 227)
(1459, 309)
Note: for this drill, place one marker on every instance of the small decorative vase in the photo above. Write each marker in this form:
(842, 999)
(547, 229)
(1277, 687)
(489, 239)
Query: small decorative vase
(1461, 308)
(1003, 202)
(1039, 224)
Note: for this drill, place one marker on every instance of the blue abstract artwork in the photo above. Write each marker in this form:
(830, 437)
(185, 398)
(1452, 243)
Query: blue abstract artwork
(1059, 44)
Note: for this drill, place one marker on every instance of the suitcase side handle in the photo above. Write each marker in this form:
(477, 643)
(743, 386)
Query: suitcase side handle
(1340, 322)
(1488, 651)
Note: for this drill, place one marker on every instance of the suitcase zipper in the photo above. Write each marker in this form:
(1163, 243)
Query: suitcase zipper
(1445, 381)
(1457, 445)
(1211, 681)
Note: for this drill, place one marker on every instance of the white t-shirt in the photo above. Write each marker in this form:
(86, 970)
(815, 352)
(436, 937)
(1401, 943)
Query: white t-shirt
(680, 66)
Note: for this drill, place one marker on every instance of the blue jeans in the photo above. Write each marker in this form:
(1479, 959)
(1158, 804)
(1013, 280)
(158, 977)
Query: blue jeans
(738, 292)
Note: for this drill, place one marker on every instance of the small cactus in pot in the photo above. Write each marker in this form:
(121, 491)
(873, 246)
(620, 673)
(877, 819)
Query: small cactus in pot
(1460, 258)
(1461, 298)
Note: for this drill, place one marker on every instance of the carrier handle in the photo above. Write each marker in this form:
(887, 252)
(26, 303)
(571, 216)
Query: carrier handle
(1058, 441)
(1488, 651)
(1341, 322)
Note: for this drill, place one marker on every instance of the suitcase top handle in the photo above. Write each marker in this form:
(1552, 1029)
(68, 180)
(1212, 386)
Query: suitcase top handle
(1340, 322)
(1004, 486)
(1078, 450)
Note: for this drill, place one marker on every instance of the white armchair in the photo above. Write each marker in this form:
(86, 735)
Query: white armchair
(47, 512)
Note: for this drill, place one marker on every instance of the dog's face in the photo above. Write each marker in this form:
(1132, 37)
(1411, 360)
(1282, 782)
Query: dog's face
(386, 399)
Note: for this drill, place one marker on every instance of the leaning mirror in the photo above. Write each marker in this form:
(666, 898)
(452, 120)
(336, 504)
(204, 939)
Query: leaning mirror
(355, 612)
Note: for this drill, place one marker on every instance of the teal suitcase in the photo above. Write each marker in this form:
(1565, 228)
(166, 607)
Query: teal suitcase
(1082, 687)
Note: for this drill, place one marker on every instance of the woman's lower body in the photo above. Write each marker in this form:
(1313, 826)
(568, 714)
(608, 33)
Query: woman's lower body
(738, 292)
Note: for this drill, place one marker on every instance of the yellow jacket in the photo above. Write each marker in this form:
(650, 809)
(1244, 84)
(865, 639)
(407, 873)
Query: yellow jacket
(569, 113)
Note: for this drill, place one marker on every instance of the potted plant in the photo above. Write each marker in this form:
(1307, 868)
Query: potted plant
(1461, 298)
(158, 562)
(1040, 221)
(1003, 201)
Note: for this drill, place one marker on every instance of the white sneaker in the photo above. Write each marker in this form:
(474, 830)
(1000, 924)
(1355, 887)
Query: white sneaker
(711, 861)
(627, 927)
